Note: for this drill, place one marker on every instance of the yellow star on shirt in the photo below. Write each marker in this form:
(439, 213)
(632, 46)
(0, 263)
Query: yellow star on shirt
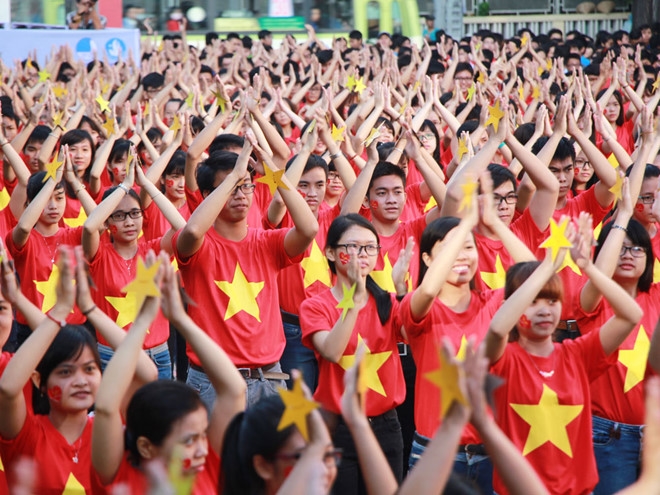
(462, 148)
(371, 364)
(47, 289)
(557, 239)
(521, 92)
(462, 349)
(126, 308)
(548, 421)
(103, 103)
(384, 277)
(495, 280)
(495, 114)
(656, 271)
(73, 486)
(359, 86)
(445, 377)
(536, 92)
(432, 203)
(4, 198)
(60, 91)
(337, 133)
(44, 75)
(469, 188)
(316, 267)
(143, 285)
(548, 64)
(51, 169)
(241, 293)
(540, 71)
(176, 124)
(635, 360)
(296, 408)
(568, 262)
(76, 221)
(273, 179)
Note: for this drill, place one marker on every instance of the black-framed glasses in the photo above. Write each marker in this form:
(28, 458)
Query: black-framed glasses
(246, 188)
(356, 249)
(582, 164)
(646, 199)
(510, 199)
(635, 251)
(333, 176)
(120, 216)
(331, 457)
(426, 137)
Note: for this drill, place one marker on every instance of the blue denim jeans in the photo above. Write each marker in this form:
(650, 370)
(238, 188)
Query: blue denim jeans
(297, 356)
(618, 448)
(472, 467)
(160, 357)
(256, 388)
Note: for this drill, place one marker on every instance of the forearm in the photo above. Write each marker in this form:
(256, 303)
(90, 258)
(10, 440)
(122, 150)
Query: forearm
(16, 165)
(333, 345)
(166, 207)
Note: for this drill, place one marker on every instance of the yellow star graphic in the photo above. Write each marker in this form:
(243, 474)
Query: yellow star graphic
(656, 84)
(338, 133)
(462, 148)
(51, 169)
(2, 467)
(536, 92)
(557, 239)
(105, 87)
(311, 126)
(109, 126)
(373, 134)
(316, 267)
(613, 161)
(384, 277)
(635, 360)
(4, 198)
(219, 100)
(521, 92)
(469, 188)
(359, 86)
(190, 99)
(656, 271)
(460, 355)
(242, 294)
(350, 83)
(44, 75)
(445, 377)
(548, 420)
(548, 64)
(477, 46)
(403, 108)
(28, 64)
(432, 203)
(296, 408)
(126, 308)
(470, 92)
(495, 114)
(176, 124)
(617, 188)
(143, 285)
(495, 280)
(103, 103)
(416, 86)
(540, 71)
(371, 363)
(47, 289)
(60, 91)
(73, 486)
(76, 221)
(346, 302)
(57, 120)
(147, 109)
(524, 40)
(273, 179)
(568, 262)
(481, 78)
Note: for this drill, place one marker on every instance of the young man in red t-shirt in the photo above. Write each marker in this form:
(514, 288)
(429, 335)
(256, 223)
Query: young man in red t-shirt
(230, 271)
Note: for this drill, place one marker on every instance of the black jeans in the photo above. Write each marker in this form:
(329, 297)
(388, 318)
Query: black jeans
(387, 429)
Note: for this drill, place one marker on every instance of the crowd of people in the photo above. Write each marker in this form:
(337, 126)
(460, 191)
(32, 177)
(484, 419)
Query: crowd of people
(451, 248)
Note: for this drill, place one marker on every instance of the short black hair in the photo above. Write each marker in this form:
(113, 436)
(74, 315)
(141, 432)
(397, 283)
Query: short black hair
(210, 36)
(355, 35)
(385, 169)
(263, 33)
(153, 80)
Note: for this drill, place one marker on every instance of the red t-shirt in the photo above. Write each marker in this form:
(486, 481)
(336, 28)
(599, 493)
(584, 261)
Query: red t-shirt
(426, 335)
(155, 224)
(234, 286)
(549, 418)
(134, 482)
(36, 269)
(387, 388)
(7, 222)
(74, 214)
(61, 468)
(312, 275)
(618, 394)
(112, 273)
(624, 135)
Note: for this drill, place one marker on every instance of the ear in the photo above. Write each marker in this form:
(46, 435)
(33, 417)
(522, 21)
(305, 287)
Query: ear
(365, 202)
(146, 448)
(264, 468)
(426, 258)
(36, 379)
(330, 254)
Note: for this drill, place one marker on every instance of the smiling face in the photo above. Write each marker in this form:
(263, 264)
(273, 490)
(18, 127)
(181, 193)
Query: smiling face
(72, 385)
(465, 266)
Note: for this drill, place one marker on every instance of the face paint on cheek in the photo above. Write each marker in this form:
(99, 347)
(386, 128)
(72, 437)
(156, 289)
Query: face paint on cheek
(113, 229)
(287, 471)
(374, 205)
(639, 207)
(576, 171)
(523, 322)
(344, 258)
(186, 463)
(302, 193)
(169, 182)
(55, 393)
(115, 170)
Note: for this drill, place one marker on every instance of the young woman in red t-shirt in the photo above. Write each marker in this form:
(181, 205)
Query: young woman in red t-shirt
(114, 262)
(544, 405)
(352, 247)
(164, 419)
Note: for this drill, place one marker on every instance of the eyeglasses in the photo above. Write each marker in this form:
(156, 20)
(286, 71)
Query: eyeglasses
(120, 216)
(582, 164)
(356, 249)
(635, 251)
(647, 200)
(510, 199)
(333, 176)
(463, 78)
(246, 188)
(425, 137)
(332, 458)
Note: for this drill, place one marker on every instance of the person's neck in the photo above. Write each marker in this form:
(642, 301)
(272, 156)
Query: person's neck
(651, 228)
(70, 425)
(542, 348)
(331, 201)
(177, 202)
(385, 228)
(233, 231)
(561, 202)
(629, 285)
(126, 250)
(47, 230)
(456, 297)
